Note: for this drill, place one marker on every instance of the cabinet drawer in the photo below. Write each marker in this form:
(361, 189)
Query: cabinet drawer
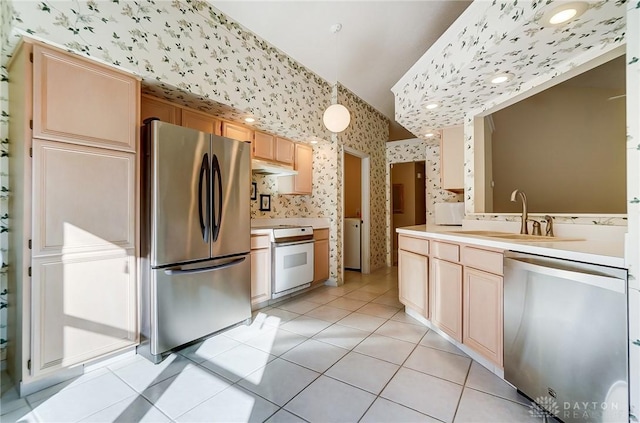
(260, 241)
(445, 251)
(417, 245)
(490, 261)
(319, 234)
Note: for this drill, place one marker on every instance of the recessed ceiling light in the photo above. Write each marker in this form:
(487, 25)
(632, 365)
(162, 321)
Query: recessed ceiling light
(432, 106)
(313, 142)
(564, 13)
(501, 78)
(429, 135)
(249, 120)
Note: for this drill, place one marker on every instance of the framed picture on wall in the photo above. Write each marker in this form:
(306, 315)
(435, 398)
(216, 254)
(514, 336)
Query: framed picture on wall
(265, 202)
(254, 191)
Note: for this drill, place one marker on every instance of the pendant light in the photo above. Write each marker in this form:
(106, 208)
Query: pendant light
(336, 118)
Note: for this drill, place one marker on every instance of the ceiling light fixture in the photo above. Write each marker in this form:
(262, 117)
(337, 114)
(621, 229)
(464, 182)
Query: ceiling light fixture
(429, 135)
(432, 106)
(249, 120)
(337, 117)
(564, 13)
(501, 78)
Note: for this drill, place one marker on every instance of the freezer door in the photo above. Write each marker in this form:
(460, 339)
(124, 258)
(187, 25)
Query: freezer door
(193, 301)
(179, 176)
(231, 193)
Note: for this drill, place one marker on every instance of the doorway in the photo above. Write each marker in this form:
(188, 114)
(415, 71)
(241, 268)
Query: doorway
(408, 198)
(355, 189)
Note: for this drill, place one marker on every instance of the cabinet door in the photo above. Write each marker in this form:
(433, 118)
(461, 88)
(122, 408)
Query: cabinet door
(285, 150)
(200, 122)
(81, 102)
(413, 277)
(303, 181)
(166, 112)
(83, 199)
(263, 146)
(236, 132)
(483, 313)
(83, 306)
(452, 159)
(321, 260)
(260, 275)
(445, 297)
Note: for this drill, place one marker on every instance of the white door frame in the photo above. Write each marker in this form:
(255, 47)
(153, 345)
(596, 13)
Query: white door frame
(365, 206)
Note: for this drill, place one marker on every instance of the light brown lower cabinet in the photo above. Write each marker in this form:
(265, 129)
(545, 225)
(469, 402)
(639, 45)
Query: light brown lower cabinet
(84, 307)
(483, 313)
(260, 269)
(445, 297)
(458, 287)
(320, 255)
(413, 280)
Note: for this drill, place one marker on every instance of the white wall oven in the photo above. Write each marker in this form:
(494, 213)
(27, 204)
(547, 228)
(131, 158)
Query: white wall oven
(292, 259)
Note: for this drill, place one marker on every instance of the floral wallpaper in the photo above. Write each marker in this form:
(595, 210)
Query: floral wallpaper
(414, 150)
(533, 53)
(188, 52)
(499, 36)
(367, 133)
(5, 16)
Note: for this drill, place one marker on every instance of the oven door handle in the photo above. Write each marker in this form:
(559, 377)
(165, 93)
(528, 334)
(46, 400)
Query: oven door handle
(284, 244)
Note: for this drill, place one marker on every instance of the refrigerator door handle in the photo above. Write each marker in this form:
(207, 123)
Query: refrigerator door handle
(217, 203)
(204, 220)
(180, 271)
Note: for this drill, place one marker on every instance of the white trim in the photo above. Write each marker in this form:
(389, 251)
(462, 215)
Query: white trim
(365, 206)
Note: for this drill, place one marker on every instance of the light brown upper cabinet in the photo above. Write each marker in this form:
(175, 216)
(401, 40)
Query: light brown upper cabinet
(263, 146)
(163, 110)
(285, 150)
(302, 183)
(236, 131)
(452, 159)
(200, 121)
(77, 101)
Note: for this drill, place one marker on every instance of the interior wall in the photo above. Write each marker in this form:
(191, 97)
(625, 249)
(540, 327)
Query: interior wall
(538, 140)
(420, 194)
(192, 53)
(352, 185)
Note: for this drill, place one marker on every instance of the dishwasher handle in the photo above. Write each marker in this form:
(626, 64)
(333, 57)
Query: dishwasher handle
(604, 282)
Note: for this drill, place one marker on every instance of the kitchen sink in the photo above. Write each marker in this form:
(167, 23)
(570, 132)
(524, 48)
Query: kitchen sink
(514, 237)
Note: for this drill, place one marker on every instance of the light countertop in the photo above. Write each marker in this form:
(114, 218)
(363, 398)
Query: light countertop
(606, 253)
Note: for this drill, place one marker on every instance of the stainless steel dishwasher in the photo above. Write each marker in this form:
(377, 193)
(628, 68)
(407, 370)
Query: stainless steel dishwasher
(565, 337)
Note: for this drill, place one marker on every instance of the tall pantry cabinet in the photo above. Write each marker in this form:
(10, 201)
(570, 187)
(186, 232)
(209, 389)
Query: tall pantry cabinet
(73, 173)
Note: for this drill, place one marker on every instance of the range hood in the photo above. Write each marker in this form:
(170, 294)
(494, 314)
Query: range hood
(262, 167)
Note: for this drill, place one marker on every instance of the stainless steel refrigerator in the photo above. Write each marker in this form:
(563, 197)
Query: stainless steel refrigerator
(196, 279)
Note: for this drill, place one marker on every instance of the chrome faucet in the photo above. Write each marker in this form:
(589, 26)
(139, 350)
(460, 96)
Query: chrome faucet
(548, 229)
(523, 226)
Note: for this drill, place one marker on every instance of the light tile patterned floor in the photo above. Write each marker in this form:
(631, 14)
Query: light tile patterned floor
(344, 354)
